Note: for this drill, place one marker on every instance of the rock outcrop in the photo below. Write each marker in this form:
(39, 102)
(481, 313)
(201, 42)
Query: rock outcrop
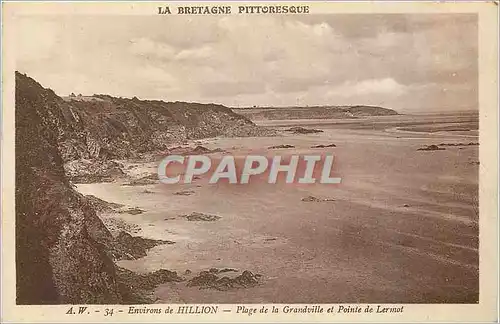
(115, 128)
(138, 288)
(92, 131)
(323, 146)
(431, 148)
(302, 130)
(210, 279)
(317, 112)
(128, 247)
(281, 146)
(64, 252)
(196, 216)
(60, 255)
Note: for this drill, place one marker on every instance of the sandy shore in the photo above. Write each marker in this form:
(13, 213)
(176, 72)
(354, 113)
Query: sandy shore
(401, 227)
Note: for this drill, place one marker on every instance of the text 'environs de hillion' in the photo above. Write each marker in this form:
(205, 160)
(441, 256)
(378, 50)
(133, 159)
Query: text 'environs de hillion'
(228, 10)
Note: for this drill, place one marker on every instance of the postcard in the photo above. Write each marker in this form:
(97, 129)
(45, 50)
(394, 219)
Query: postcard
(249, 161)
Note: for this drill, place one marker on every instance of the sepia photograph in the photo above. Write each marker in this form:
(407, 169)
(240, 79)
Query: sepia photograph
(239, 154)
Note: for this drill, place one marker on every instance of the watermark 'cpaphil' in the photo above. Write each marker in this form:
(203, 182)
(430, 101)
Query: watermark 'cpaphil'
(302, 169)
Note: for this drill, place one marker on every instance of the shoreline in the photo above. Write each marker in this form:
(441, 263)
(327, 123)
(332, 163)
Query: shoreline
(247, 237)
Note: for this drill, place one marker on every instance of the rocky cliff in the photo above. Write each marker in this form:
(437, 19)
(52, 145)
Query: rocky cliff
(59, 239)
(105, 127)
(317, 112)
(63, 250)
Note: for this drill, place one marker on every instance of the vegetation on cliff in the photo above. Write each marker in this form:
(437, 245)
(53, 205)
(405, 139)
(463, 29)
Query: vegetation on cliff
(59, 254)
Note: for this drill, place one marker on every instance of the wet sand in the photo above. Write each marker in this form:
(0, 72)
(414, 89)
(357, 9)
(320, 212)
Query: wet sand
(401, 227)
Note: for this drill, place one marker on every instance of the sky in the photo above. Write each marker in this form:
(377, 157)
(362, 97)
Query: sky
(411, 63)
